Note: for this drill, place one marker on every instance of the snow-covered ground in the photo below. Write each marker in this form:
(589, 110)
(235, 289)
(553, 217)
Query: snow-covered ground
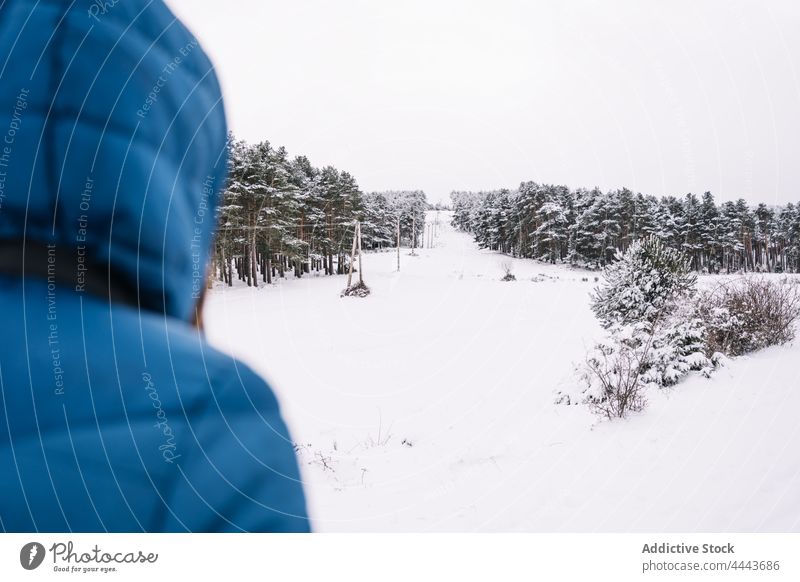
(428, 406)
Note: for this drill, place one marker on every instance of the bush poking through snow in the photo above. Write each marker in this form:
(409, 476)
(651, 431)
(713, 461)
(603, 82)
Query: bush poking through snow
(678, 348)
(635, 358)
(613, 377)
(681, 336)
(653, 338)
(508, 269)
(747, 315)
(642, 284)
(357, 290)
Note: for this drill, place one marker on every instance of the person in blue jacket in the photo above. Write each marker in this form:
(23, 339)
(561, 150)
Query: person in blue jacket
(115, 414)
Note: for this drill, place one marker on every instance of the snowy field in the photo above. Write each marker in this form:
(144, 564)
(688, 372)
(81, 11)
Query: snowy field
(428, 406)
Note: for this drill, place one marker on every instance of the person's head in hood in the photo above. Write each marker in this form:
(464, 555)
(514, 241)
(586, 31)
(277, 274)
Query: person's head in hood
(112, 160)
(115, 146)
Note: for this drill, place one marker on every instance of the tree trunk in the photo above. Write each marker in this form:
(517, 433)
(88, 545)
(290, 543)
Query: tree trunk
(253, 264)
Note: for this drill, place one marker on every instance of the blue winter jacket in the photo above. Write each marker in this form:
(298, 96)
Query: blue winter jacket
(115, 414)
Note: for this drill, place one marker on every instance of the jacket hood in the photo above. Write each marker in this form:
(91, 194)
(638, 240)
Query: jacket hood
(112, 142)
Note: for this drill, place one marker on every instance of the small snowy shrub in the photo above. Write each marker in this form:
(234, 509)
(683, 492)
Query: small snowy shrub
(678, 348)
(508, 269)
(357, 290)
(634, 358)
(642, 284)
(748, 315)
(612, 374)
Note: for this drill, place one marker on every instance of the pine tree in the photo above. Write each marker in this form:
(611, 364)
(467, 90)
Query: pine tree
(642, 284)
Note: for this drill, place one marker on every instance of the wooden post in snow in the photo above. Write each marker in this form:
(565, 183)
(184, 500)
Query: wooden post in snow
(356, 232)
(398, 242)
(413, 233)
(360, 264)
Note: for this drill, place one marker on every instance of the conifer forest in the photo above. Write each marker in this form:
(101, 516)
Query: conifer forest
(587, 227)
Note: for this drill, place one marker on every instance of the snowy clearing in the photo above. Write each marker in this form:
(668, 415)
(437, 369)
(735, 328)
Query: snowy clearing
(428, 406)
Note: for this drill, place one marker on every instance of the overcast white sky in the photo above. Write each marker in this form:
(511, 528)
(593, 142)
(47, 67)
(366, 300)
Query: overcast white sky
(662, 97)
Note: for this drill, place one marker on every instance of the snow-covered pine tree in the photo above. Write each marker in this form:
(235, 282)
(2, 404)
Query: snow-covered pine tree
(552, 231)
(642, 284)
(586, 246)
(709, 229)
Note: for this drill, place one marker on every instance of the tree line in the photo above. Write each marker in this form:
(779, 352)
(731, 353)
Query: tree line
(588, 227)
(282, 215)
